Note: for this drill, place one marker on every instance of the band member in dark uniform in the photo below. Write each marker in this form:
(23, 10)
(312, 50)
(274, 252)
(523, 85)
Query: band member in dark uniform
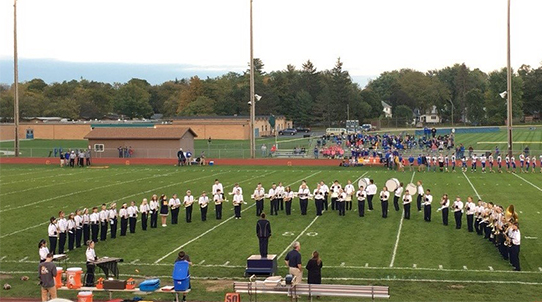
(263, 231)
(163, 209)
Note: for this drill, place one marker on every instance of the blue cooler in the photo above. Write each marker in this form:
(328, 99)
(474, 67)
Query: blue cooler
(181, 276)
(149, 285)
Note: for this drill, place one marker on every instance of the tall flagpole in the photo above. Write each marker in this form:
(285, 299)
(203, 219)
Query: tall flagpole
(509, 87)
(15, 80)
(252, 100)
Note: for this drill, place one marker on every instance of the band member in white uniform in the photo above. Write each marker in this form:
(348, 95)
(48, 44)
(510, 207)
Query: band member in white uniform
(52, 232)
(371, 192)
(104, 221)
(123, 214)
(324, 188)
(288, 199)
(62, 224)
(384, 198)
(91, 257)
(335, 187)
(218, 198)
(274, 202)
(470, 208)
(187, 202)
(174, 205)
(397, 195)
(279, 191)
(361, 194)
(71, 231)
(94, 224)
(349, 189)
(153, 205)
(428, 199)
(144, 209)
(259, 194)
(515, 235)
(420, 195)
(113, 220)
(86, 226)
(78, 228)
(407, 200)
(132, 216)
(217, 186)
(458, 211)
(444, 207)
(43, 250)
(340, 204)
(319, 197)
(237, 202)
(303, 195)
(203, 202)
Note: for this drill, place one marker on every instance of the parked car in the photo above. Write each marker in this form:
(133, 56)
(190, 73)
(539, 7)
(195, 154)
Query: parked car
(367, 127)
(303, 129)
(290, 131)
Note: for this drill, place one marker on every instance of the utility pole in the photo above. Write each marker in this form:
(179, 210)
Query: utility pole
(15, 81)
(252, 100)
(509, 87)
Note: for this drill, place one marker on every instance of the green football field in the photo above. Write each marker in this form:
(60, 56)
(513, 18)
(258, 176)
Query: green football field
(419, 261)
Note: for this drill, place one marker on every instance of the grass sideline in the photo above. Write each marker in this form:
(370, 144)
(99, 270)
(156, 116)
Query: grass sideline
(354, 250)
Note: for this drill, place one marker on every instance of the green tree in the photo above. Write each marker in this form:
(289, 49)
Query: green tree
(132, 101)
(201, 106)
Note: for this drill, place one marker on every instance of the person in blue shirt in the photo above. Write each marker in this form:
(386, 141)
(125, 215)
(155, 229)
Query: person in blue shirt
(411, 162)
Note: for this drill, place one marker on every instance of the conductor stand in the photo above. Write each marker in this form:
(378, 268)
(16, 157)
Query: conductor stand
(256, 265)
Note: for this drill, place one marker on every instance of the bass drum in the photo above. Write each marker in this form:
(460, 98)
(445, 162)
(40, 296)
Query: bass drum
(364, 182)
(411, 188)
(392, 184)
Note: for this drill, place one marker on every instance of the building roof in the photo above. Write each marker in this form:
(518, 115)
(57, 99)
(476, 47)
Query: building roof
(221, 117)
(138, 133)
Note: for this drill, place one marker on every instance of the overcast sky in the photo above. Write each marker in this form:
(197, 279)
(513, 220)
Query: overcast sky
(370, 36)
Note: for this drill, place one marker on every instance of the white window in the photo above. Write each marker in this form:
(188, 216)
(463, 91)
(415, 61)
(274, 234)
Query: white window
(98, 147)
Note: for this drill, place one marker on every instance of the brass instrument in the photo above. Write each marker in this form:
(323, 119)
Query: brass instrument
(510, 214)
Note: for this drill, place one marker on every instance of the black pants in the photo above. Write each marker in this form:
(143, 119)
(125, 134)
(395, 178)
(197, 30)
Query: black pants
(259, 207)
(419, 202)
(483, 228)
(457, 215)
(123, 226)
(71, 239)
(89, 280)
(188, 214)
(218, 211)
(349, 205)
(325, 202)
(303, 203)
(384, 204)
(274, 207)
(95, 228)
(52, 244)
(61, 242)
(341, 206)
(334, 203)
(288, 207)
(445, 213)
(144, 220)
(175, 216)
(132, 221)
(78, 236)
(263, 246)
(86, 233)
(103, 230)
(319, 204)
(114, 228)
(281, 201)
(370, 201)
(237, 210)
(470, 221)
(361, 208)
(477, 226)
(203, 214)
(514, 257)
(396, 203)
(406, 208)
(427, 212)
(154, 219)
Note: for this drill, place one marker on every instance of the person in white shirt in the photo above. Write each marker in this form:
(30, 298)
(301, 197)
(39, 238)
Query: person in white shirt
(71, 231)
(534, 164)
(454, 161)
(132, 216)
(288, 198)
(237, 202)
(397, 194)
(324, 188)
(123, 214)
(144, 209)
(235, 188)
(259, 194)
(62, 224)
(43, 250)
(78, 228)
(187, 202)
(444, 207)
(499, 163)
(91, 267)
(203, 202)
(458, 211)
(474, 162)
(280, 195)
(113, 220)
(95, 224)
(335, 187)
(478, 215)
(420, 195)
(515, 236)
(428, 199)
(272, 193)
(513, 162)
(361, 194)
(527, 164)
(483, 160)
(104, 220)
(86, 226)
(153, 211)
(303, 193)
(490, 161)
(319, 200)
(522, 163)
(371, 192)
(340, 205)
(407, 200)
(384, 198)
(470, 208)
(218, 198)
(349, 190)
(174, 204)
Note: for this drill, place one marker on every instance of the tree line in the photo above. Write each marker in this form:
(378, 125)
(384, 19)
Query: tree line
(305, 95)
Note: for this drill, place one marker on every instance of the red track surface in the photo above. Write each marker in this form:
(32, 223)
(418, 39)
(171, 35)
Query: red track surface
(170, 161)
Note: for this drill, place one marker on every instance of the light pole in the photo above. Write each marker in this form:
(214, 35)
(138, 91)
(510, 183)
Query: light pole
(449, 100)
(15, 81)
(509, 86)
(252, 101)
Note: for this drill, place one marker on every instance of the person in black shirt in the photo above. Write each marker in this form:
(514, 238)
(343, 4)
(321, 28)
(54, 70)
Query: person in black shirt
(314, 269)
(293, 261)
(263, 231)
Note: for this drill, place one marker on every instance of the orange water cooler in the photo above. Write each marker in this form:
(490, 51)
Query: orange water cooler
(73, 277)
(58, 277)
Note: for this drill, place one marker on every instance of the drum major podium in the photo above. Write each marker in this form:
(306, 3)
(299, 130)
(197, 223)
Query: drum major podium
(256, 265)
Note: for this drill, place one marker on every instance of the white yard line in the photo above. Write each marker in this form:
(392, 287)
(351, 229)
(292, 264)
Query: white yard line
(476, 192)
(310, 224)
(537, 187)
(216, 226)
(399, 231)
